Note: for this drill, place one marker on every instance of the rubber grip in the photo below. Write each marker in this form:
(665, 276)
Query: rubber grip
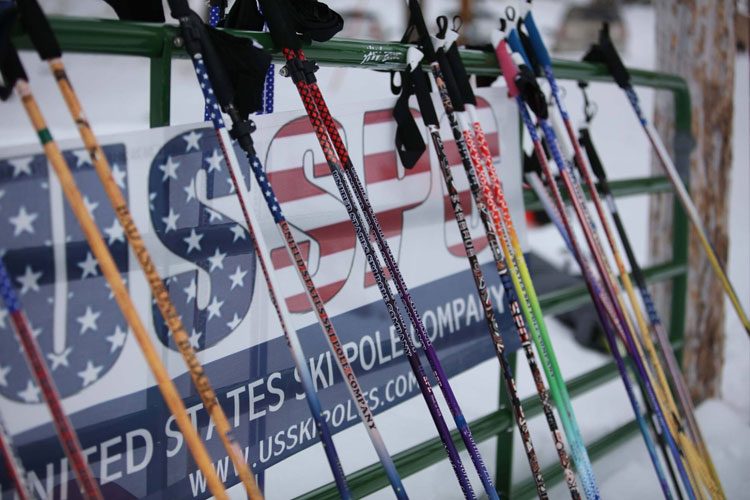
(514, 41)
(281, 33)
(11, 69)
(507, 66)
(536, 41)
(36, 25)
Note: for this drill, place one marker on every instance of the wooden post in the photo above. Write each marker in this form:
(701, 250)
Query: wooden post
(696, 40)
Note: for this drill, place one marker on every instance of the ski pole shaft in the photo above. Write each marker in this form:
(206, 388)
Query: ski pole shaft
(13, 465)
(296, 60)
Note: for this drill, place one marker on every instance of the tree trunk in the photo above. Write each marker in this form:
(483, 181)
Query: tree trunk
(695, 39)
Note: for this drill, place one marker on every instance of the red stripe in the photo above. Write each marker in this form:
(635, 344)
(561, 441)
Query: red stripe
(291, 185)
(465, 199)
(384, 115)
(301, 303)
(451, 150)
(298, 126)
(482, 103)
(459, 250)
(334, 238)
(370, 277)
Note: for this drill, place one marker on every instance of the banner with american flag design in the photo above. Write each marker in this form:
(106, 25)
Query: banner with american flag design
(182, 200)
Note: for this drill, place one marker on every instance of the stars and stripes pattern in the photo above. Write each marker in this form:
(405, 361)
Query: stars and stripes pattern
(191, 193)
(73, 316)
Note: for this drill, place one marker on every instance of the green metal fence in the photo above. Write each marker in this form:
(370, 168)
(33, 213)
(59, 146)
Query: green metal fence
(161, 44)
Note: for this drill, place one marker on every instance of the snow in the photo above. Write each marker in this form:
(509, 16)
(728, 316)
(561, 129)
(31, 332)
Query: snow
(114, 91)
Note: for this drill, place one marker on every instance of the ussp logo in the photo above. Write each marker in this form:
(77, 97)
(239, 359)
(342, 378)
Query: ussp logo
(72, 312)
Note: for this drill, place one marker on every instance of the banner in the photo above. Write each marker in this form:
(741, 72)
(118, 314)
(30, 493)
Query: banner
(181, 197)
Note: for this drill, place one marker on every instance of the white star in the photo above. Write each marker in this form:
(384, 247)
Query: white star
(82, 157)
(235, 322)
(2, 193)
(190, 190)
(217, 260)
(88, 320)
(90, 206)
(3, 374)
(214, 161)
(238, 231)
(29, 281)
(117, 339)
(238, 278)
(21, 165)
(35, 332)
(214, 308)
(231, 185)
(31, 393)
(3, 315)
(194, 339)
(111, 293)
(170, 220)
(192, 141)
(24, 221)
(115, 232)
(88, 266)
(193, 241)
(60, 359)
(190, 291)
(90, 374)
(213, 214)
(169, 169)
(151, 198)
(118, 175)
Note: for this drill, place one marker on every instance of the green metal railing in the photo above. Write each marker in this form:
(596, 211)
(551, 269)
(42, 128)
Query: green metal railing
(161, 43)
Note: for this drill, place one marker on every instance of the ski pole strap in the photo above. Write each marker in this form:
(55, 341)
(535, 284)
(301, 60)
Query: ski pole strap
(605, 52)
(11, 70)
(462, 78)
(417, 21)
(409, 142)
(312, 19)
(593, 156)
(36, 25)
(531, 93)
(422, 89)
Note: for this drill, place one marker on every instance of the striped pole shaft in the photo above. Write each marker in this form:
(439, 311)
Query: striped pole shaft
(661, 336)
(261, 249)
(158, 289)
(395, 273)
(610, 290)
(689, 206)
(337, 172)
(525, 289)
(13, 465)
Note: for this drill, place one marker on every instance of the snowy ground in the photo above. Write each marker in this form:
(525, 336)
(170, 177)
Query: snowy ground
(623, 474)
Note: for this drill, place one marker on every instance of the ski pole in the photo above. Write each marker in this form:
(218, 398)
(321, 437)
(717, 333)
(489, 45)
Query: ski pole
(8, 452)
(301, 71)
(511, 74)
(196, 41)
(120, 292)
(606, 52)
(461, 97)
(241, 131)
(672, 366)
(40, 32)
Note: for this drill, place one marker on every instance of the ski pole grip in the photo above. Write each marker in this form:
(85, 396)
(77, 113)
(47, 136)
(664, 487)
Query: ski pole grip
(508, 67)
(537, 44)
(36, 25)
(422, 91)
(462, 78)
(216, 72)
(514, 41)
(179, 8)
(450, 81)
(11, 70)
(281, 32)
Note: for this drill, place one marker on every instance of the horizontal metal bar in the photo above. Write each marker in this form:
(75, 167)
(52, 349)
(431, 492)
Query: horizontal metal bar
(372, 478)
(620, 188)
(554, 473)
(106, 36)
